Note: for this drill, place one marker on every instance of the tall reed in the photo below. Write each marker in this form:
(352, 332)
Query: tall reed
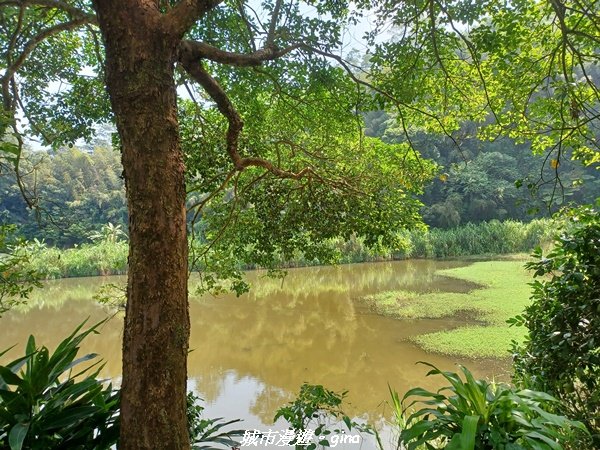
(486, 238)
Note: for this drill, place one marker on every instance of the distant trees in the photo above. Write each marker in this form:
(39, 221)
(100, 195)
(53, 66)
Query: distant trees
(76, 194)
(80, 192)
(480, 180)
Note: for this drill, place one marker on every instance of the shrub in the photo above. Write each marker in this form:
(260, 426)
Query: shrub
(109, 256)
(561, 354)
(209, 431)
(479, 415)
(102, 258)
(314, 409)
(44, 406)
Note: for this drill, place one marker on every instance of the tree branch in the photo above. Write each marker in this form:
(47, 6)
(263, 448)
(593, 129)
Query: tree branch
(195, 69)
(273, 25)
(30, 47)
(193, 50)
(182, 16)
(13, 40)
(57, 4)
(399, 105)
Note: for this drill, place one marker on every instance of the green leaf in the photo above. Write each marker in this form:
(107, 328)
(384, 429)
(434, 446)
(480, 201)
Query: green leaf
(348, 422)
(9, 377)
(416, 430)
(87, 357)
(17, 436)
(469, 432)
(420, 392)
(30, 348)
(9, 147)
(455, 443)
(68, 417)
(536, 395)
(541, 437)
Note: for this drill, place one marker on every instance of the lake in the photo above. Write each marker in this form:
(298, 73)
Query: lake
(251, 354)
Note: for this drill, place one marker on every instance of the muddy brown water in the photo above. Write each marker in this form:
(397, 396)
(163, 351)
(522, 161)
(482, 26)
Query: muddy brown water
(251, 354)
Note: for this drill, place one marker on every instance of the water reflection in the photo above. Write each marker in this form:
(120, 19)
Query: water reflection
(251, 354)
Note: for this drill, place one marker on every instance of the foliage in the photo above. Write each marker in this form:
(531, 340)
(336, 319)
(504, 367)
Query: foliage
(484, 238)
(479, 415)
(106, 258)
(44, 405)
(562, 352)
(263, 220)
(529, 66)
(17, 276)
(110, 258)
(483, 180)
(101, 258)
(492, 237)
(86, 200)
(76, 195)
(527, 70)
(108, 233)
(112, 295)
(207, 432)
(398, 422)
(315, 408)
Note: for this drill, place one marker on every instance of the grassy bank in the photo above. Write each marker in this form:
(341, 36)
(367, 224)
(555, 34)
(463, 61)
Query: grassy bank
(487, 238)
(103, 258)
(504, 293)
(495, 238)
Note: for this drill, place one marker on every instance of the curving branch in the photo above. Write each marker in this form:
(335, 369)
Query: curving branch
(29, 48)
(56, 4)
(273, 25)
(250, 28)
(397, 103)
(436, 50)
(475, 57)
(13, 40)
(197, 71)
(194, 50)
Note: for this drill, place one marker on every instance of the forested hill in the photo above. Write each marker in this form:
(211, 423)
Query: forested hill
(80, 191)
(76, 193)
(494, 179)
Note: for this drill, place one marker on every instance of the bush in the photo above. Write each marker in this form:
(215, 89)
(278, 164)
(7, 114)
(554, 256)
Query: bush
(44, 406)
(102, 258)
(481, 415)
(561, 354)
(209, 431)
(492, 237)
(311, 414)
(109, 257)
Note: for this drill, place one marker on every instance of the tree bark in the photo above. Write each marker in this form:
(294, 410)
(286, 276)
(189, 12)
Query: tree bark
(140, 55)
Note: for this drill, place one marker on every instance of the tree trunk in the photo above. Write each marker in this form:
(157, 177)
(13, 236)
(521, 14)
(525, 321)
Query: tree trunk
(140, 58)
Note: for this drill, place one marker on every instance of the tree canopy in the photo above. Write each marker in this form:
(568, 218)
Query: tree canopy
(299, 116)
(527, 69)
